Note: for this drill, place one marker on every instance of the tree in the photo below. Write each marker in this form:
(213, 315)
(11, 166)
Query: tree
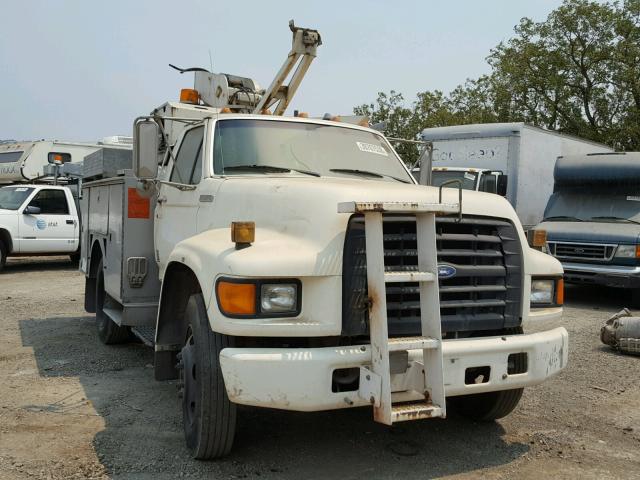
(576, 72)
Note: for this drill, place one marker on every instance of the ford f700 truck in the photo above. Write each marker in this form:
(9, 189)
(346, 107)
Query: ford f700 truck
(294, 263)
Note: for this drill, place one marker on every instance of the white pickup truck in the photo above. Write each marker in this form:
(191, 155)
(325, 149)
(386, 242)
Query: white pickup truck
(38, 220)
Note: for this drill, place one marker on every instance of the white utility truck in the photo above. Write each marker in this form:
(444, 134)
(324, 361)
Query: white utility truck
(295, 263)
(24, 161)
(514, 160)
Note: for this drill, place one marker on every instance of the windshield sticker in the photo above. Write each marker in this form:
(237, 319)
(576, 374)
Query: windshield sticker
(371, 148)
(21, 189)
(469, 176)
(633, 198)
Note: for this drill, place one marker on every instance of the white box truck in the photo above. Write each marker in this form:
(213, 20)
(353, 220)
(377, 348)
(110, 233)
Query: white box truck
(515, 160)
(295, 263)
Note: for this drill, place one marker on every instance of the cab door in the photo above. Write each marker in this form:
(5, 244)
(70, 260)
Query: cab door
(53, 229)
(177, 206)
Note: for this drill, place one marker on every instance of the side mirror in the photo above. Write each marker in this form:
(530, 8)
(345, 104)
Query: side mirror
(31, 210)
(489, 183)
(146, 141)
(502, 185)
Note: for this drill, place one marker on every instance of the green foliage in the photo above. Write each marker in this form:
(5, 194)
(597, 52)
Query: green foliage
(577, 72)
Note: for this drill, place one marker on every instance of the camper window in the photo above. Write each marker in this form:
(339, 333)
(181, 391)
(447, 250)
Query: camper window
(10, 157)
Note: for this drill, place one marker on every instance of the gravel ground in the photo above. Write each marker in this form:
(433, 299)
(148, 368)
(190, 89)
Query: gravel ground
(71, 407)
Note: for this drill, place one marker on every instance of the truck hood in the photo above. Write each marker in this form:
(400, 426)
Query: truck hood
(596, 232)
(297, 218)
(308, 199)
(7, 212)
(299, 215)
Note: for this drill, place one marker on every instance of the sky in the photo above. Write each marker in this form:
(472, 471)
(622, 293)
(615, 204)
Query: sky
(80, 70)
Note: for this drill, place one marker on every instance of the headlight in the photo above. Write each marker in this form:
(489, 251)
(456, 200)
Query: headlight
(278, 298)
(627, 251)
(257, 298)
(547, 292)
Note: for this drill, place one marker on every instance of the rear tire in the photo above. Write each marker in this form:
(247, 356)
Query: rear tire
(209, 417)
(109, 332)
(3, 255)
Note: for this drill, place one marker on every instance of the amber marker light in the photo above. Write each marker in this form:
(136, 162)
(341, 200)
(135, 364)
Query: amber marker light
(189, 95)
(243, 234)
(560, 292)
(236, 298)
(539, 238)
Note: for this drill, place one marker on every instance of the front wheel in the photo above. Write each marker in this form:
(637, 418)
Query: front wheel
(208, 415)
(3, 255)
(487, 406)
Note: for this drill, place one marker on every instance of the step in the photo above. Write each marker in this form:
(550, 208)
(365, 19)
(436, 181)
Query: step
(398, 277)
(414, 411)
(146, 334)
(412, 343)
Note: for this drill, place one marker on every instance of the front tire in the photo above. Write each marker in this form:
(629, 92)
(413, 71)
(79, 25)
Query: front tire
(492, 405)
(109, 332)
(3, 255)
(209, 417)
(487, 406)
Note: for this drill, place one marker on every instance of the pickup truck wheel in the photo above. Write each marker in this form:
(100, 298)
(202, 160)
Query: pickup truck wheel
(109, 332)
(209, 417)
(3, 255)
(75, 258)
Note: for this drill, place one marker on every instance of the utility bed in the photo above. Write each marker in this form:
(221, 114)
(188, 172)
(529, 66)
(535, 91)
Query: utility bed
(115, 214)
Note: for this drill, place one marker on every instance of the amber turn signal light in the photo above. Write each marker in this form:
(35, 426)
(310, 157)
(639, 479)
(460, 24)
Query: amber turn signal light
(243, 234)
(560, 291)
(189, 95)
(539, 238)
(236, 298)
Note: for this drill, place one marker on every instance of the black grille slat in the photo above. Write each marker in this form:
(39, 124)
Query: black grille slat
(484, 294)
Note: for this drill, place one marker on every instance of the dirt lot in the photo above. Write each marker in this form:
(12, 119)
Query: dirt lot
(73, 408)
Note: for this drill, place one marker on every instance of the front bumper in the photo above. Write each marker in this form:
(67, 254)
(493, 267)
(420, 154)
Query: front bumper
(300, 378)
(622, 276)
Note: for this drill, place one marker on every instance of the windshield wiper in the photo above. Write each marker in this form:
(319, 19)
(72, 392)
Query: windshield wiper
(604, 217)
(271, 169)
(563, 217)
(367, 173)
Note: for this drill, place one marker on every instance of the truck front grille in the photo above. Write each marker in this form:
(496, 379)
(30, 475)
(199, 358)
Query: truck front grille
(484, 293)
(582, 251)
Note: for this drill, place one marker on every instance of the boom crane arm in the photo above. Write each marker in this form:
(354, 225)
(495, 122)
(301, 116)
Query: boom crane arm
(304, 44)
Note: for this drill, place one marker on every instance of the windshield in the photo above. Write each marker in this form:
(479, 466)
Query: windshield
(249, 147)
(12, 197)
(592, 207)
(438, 177)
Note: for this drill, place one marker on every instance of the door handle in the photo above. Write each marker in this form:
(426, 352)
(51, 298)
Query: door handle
(71, 222)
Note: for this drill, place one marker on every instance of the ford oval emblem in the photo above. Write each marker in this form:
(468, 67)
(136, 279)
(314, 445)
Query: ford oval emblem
(446, 271)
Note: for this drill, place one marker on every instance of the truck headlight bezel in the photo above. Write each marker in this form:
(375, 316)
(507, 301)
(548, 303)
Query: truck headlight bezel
(258, 298)
(546, 292)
